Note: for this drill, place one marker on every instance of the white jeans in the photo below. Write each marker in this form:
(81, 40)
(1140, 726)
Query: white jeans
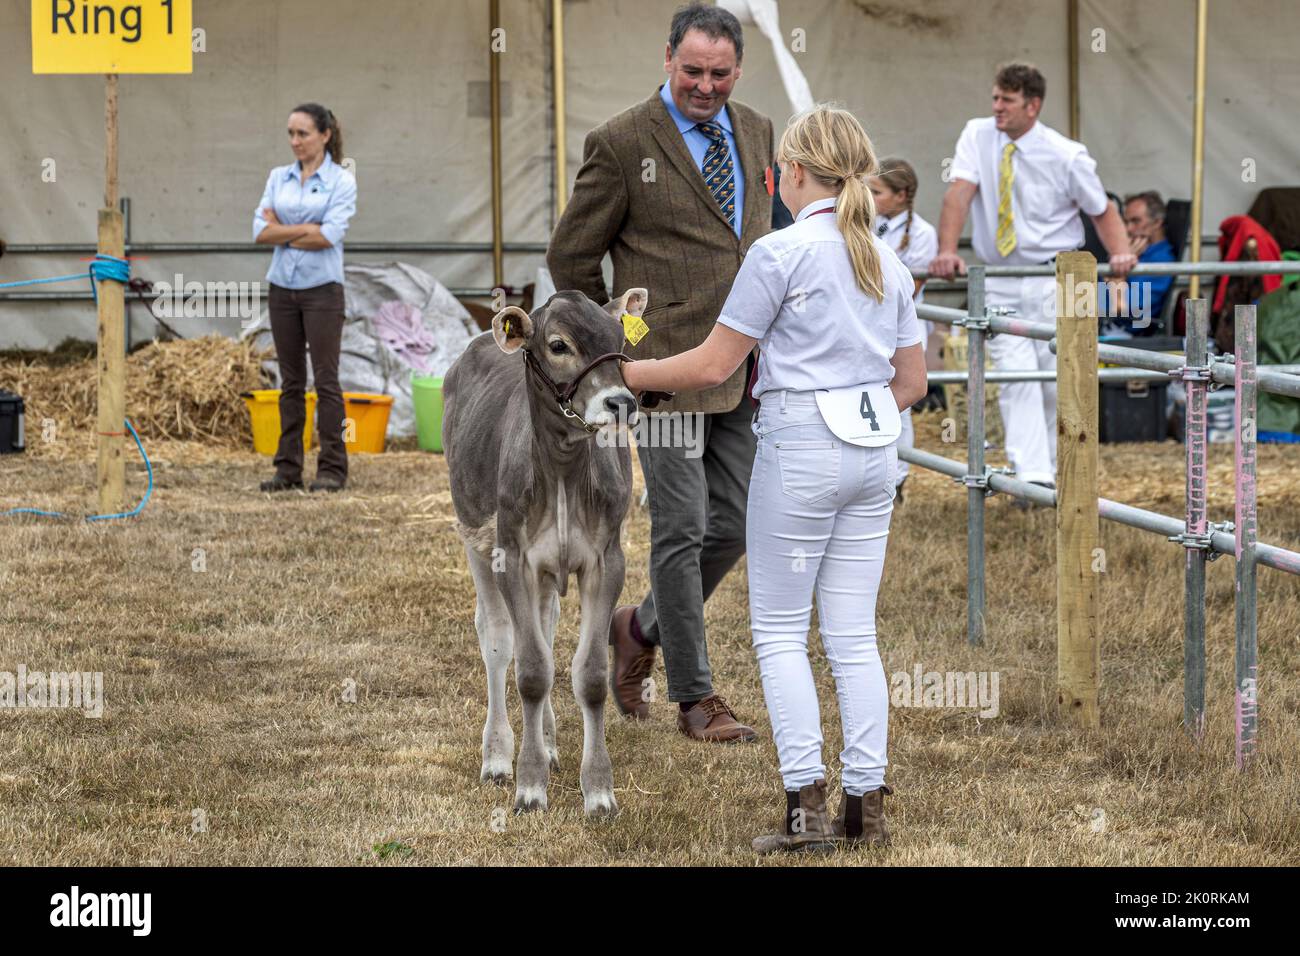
(818, 516)
(906, 439)
(1028, 408)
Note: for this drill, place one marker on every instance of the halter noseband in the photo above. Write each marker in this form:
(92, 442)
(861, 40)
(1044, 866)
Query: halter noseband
(564, 393)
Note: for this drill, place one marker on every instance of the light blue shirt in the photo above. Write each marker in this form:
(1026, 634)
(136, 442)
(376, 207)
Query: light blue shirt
(328, 197)
(699, 144)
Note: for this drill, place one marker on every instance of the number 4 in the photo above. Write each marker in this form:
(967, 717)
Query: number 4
(868, 412)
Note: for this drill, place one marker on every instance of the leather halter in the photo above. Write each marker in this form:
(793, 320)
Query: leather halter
(564, 393)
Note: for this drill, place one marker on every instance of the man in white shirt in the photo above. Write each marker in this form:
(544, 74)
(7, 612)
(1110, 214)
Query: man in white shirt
(1026, 184)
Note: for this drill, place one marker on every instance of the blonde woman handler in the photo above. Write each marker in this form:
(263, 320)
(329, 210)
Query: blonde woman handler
(831, 306)
(304, 213)
(893, 188)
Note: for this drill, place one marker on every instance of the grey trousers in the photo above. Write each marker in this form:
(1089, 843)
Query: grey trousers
(697, 533)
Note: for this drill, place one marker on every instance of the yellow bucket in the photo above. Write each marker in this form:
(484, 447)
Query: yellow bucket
(365, 421)
(264, 412)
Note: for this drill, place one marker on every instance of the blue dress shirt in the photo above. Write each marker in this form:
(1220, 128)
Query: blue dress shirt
(328, 197)
(698, 144)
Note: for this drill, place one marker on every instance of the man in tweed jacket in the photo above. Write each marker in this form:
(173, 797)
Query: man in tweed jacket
(677, 213)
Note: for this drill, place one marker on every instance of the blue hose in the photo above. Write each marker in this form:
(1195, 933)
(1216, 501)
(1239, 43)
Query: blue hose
(103, 268)
(124, 514)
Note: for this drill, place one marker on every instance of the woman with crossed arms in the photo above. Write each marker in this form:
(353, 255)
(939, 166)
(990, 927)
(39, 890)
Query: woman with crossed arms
(304, 214)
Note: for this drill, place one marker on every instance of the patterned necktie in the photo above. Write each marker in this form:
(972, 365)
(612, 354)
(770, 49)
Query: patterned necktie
(719, 174)
(1006, 221)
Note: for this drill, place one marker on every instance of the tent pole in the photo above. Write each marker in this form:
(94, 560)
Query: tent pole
(1198, 143)
(494, 62)
(557, 67)
(1072, 34)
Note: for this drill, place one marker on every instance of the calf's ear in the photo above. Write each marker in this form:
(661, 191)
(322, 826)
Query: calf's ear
(633, 302)
(511, 327)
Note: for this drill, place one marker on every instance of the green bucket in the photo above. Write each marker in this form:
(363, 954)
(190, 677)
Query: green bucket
(426, 396)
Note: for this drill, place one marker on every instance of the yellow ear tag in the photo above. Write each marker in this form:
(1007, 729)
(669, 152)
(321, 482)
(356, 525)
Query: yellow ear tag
(633, 328)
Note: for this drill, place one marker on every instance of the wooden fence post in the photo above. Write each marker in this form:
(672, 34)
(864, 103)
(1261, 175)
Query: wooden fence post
(1078, 643)
(111, 360)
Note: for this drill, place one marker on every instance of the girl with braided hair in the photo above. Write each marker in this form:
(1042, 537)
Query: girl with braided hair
(916, 242)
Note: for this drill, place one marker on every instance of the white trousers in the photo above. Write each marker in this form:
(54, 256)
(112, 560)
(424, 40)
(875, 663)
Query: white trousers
(818, 519)
(1028, 408)
(906, 439)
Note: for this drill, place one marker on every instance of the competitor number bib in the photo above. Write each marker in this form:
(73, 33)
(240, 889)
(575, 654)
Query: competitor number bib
(861, 414)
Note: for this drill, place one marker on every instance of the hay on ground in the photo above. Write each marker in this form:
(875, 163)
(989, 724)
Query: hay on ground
(181, 391)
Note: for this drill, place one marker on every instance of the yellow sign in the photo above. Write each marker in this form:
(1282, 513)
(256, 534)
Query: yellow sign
(634, 330)
(112, 36)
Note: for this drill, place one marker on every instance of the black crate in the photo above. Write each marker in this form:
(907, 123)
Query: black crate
(1147, 343)
(1133, 411)
(11, 423)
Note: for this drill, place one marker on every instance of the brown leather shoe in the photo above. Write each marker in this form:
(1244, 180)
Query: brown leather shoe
(712, 720)
(633, 662)
(863, 822)
(808, 827)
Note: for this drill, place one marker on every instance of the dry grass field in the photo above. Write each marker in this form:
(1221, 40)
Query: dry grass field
(228, 735)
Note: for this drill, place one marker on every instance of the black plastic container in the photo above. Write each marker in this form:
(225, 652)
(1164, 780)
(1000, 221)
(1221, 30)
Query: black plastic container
(1136, 410)
(1133, 411)
(11, 423)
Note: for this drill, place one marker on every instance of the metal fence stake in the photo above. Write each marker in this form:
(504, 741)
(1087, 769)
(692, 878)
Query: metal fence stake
(975, 491)
(1196, 378)
(1247, 688)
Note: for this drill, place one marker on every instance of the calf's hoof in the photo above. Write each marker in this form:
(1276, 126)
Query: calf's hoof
(600, 806)
(529, 799)
(496, 770)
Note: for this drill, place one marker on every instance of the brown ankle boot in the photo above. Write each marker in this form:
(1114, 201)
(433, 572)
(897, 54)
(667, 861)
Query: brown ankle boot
(861, 820)
(808, 825)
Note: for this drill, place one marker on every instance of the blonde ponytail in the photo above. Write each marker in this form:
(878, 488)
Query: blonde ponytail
(856, 211)
(832, 146)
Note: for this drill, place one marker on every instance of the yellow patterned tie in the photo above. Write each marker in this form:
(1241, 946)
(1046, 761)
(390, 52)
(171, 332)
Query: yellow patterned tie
(1006, 221)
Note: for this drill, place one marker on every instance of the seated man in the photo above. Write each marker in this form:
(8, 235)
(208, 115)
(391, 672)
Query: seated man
(1134, 307)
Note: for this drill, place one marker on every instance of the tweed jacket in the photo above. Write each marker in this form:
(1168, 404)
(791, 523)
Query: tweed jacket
(640, 197)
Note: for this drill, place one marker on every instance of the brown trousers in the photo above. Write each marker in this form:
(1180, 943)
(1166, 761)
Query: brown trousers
(303, 319)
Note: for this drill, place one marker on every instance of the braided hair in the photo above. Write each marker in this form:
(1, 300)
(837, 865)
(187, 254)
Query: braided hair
(899, 176)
